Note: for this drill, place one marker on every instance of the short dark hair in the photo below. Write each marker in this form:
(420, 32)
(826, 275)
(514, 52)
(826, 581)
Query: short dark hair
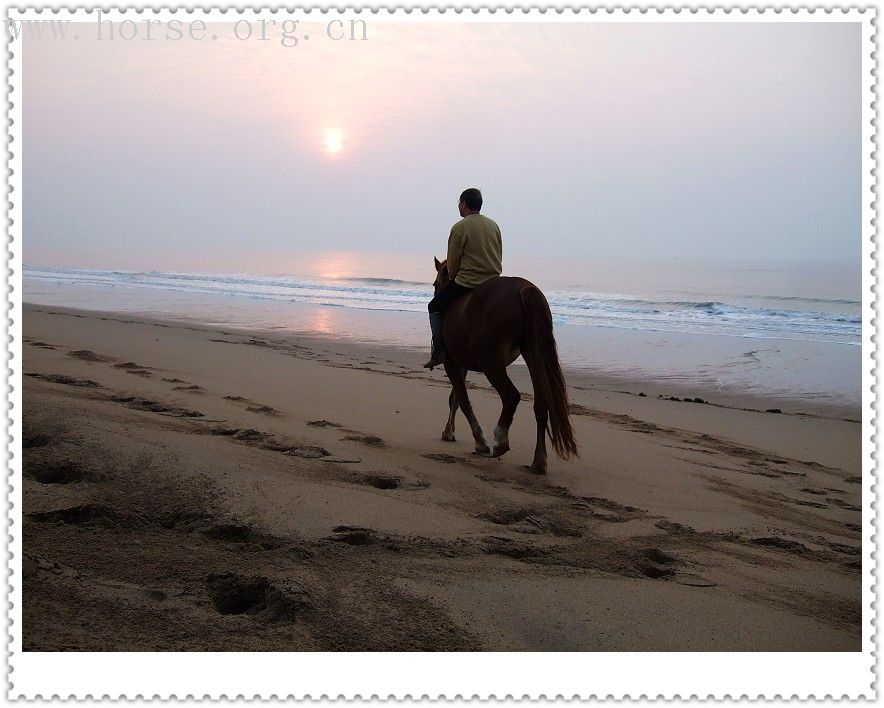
(472, 197)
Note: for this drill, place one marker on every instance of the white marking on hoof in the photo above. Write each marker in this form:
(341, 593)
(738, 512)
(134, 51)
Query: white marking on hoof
(501, 440)
(482, 443)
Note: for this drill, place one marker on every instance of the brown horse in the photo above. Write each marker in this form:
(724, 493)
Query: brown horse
(485, 331)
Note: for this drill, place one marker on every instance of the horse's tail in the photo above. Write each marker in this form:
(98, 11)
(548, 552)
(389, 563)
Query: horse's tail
(544, 357)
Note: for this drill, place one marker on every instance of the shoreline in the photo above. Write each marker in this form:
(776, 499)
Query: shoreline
(578, 378)
(723, 360)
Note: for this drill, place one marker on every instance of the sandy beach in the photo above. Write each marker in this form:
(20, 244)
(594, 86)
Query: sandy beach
(197, 488)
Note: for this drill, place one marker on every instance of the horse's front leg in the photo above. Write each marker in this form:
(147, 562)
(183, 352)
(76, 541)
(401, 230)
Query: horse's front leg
(510, 397)
(448, 433)
(457, 376)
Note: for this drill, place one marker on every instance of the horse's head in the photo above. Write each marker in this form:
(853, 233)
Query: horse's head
(441, 274)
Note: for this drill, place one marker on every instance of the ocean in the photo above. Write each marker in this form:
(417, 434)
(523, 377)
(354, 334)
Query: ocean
(791, 333)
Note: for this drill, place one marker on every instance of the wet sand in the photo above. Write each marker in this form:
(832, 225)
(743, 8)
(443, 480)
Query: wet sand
(196, 488)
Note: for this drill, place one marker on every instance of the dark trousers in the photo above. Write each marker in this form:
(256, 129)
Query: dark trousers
(447, 295)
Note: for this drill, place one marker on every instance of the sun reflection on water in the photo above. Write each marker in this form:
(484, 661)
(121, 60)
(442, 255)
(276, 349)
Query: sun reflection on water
(323, 320)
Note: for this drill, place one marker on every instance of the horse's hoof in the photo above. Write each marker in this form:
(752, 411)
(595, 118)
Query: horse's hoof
(448, 437)
(500, 450)
(482, 450)
(535, 469)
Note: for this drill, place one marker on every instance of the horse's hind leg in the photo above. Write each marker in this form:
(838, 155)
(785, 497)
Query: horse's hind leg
(448, 433)
(541, 415)
(510, 397)
(457, 376)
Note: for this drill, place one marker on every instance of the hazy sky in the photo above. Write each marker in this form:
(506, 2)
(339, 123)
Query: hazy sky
(655, 141)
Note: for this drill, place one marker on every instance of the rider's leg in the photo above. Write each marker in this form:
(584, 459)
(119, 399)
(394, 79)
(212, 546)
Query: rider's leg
(437, 307)
(437, 347)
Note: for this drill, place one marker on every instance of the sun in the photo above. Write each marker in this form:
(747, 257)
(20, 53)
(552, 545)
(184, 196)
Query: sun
(333, 142)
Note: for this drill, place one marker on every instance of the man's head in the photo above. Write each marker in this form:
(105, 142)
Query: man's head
(470, 202)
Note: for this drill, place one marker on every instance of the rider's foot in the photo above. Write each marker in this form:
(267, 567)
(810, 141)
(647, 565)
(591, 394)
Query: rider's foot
(433, 362)
(436, 347)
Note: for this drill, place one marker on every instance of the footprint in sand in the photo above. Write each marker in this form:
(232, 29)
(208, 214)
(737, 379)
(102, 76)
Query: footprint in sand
(697, 581)
(843, 504)
(39, 345)
(53, 469)
(87, 355)
(256, 596)
(89, 515)
(145, 404)
(250, 436)
(379, 481)
(532, 521)
(607, 510)
(31, 439)
(130, 367)
(511, 548)
(784, 544)
(674, 527)
(369, 440)
(386, 481)
(657, 564)
(847, 550)
(34, 564)
(442, 457)
(814, 490)
(254, 407)
(804, 502)
(66, 380)
(353, 535)
(655, 571)
(323, 424)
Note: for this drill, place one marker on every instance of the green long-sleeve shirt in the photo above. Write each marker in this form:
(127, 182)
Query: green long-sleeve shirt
(475, 250)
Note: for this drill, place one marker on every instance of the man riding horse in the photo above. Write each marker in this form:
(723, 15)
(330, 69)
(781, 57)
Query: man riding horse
(491, 320)
(474, 256)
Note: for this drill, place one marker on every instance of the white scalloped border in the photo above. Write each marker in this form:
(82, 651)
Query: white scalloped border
(110, 665)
